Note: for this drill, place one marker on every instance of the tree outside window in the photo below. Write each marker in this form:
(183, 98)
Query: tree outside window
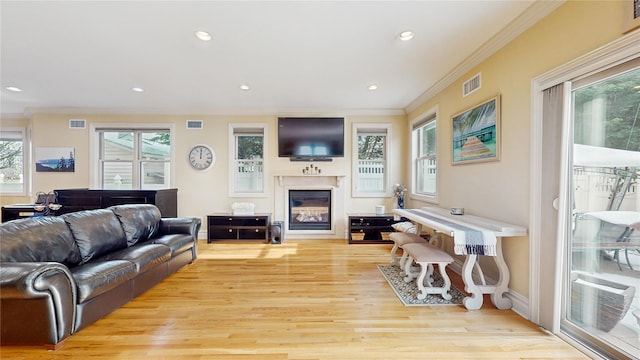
(12, 161)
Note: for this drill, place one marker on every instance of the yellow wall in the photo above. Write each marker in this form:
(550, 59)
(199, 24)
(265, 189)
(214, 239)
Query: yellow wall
(202, 193)
(501, 189)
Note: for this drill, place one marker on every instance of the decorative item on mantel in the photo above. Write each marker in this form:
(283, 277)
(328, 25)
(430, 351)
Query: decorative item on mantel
(311, 170)
(398, 191)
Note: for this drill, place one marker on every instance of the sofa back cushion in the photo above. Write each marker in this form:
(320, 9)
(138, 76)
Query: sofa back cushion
(96, 232)
(140, 222)
(38, 239)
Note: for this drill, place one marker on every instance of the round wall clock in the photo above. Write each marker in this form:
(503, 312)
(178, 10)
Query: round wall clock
(201, 157)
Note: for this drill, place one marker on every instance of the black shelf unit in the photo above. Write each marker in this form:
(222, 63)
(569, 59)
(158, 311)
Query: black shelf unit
(370, 227)
(85, 199)
(238, 227)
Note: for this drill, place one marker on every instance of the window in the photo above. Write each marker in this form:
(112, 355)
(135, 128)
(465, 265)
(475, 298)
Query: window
(601, 244)
(424, 155)
(134, 159)
(248, 165)
(370, 154)
(12, 159)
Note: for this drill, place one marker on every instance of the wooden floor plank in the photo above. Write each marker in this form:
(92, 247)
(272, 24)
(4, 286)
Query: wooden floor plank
(303, 299)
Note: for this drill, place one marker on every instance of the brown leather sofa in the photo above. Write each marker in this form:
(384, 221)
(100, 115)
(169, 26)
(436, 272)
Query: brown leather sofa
(60, 274)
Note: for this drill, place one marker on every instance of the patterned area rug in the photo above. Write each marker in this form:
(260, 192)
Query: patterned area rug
(407, 291)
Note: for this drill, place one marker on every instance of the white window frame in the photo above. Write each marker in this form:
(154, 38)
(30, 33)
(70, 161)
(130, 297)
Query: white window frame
(94, 148)
(380, 129)
(233, 192)
(25, 161)
(419, 121)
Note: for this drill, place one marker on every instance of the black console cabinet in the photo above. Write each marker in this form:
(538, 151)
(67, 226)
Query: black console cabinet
(19, 211)
(369, 228)
(238, 227)
(84, 199)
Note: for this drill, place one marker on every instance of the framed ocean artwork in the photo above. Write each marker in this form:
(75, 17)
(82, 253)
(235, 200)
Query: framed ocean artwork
(476, 133)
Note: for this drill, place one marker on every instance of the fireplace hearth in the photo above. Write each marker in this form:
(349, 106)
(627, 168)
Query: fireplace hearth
(309, 209)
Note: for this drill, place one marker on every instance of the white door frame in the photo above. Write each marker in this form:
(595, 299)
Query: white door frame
(612, 54)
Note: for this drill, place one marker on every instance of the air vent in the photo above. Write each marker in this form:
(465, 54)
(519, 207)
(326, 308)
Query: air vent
(77, 124)
(194, 124)
(471, 85)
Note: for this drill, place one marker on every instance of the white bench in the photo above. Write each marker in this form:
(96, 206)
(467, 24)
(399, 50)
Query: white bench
(399, 240)
(426, 256)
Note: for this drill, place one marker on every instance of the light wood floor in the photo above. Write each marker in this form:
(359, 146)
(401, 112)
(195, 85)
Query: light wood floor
(305, 299)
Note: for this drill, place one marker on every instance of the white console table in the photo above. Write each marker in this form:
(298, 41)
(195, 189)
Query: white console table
(442, 221)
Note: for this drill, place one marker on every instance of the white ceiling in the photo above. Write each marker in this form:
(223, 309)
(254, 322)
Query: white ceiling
(297, 56)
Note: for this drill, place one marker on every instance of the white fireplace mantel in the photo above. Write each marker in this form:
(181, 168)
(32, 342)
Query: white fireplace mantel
(284, 182)
(296, 179)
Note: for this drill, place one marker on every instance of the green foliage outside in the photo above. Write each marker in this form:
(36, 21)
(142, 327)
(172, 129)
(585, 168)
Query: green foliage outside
(371, 147)
(616, 99)
(250, 147)
(161, 138)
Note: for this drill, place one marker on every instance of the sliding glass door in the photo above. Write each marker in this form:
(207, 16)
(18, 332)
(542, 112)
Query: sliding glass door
(601, 291)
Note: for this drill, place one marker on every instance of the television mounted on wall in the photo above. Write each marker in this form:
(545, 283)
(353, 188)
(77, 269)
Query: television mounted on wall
(310, 138)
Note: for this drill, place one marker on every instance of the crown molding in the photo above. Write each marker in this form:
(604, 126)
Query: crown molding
(29, 112)
(534, 13)
(13, 116)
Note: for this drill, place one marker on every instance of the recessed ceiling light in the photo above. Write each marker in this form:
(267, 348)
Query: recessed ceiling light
(406, 35)
(202, 35)
(137, 89)
(245, 87)
(372, 87)
(13, 88)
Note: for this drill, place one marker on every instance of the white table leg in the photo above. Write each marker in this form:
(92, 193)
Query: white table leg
(473, 302)
(498, 298)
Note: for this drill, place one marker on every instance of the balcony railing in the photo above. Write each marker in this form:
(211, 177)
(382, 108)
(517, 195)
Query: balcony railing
(371, 176)
(249, 175)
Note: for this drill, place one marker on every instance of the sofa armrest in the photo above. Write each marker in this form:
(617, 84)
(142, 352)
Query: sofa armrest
(23, 284)
(183, 225)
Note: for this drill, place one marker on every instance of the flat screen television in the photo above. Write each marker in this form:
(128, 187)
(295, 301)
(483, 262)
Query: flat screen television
(310, 138)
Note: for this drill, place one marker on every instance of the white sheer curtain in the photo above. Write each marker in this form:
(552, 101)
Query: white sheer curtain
(550, 243)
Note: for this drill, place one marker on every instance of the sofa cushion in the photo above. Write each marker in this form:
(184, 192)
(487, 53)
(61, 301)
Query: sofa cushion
(144, 257)
(98, 277)
(96, 232)
(140, 222)
(38, 239)
(176, 242)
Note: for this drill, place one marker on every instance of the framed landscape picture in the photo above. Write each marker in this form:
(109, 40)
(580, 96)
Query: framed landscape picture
(55, 159)
(631, 10)
(476, 133)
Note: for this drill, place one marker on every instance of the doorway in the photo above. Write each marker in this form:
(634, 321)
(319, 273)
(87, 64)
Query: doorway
(601, 303)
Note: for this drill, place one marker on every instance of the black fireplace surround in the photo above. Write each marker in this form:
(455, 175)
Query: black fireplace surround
(309, 209)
